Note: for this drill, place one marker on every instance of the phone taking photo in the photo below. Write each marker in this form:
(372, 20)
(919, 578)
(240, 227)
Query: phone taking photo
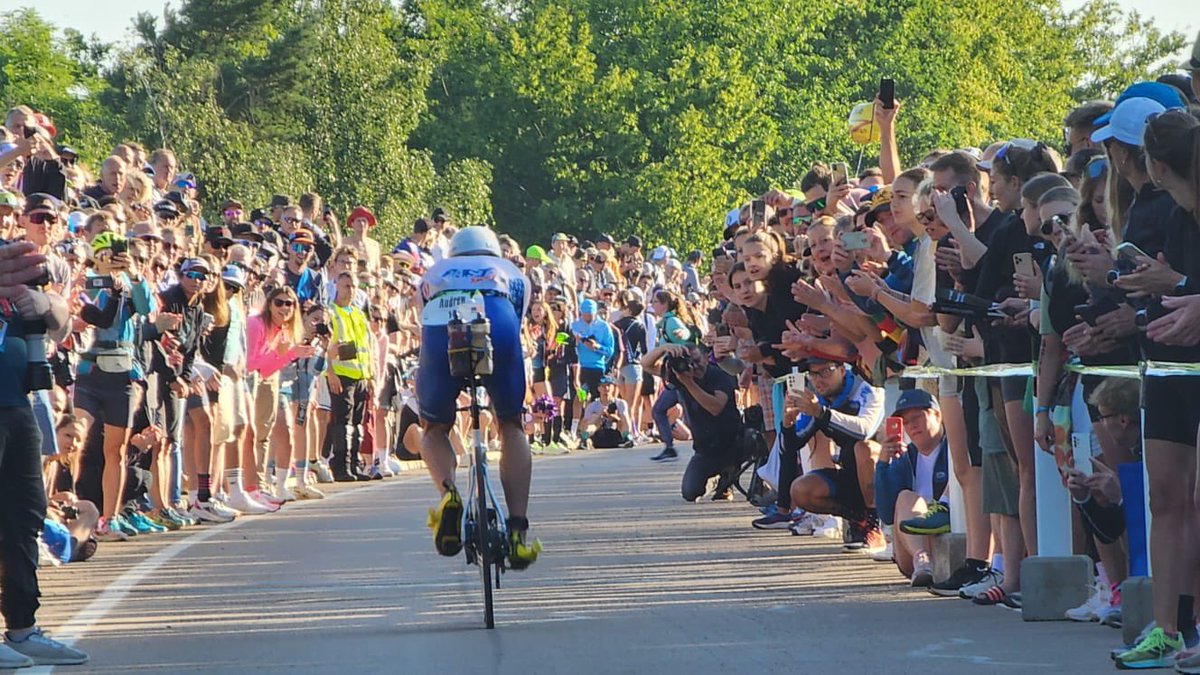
(758, 211)
(856, 241)
(894, 428)
(1023, 264)
(887, 93)
(840, 174)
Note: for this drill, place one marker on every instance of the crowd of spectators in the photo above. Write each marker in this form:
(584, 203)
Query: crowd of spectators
(211, 368)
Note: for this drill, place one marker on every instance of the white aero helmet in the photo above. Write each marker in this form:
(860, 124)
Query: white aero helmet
(475, 240)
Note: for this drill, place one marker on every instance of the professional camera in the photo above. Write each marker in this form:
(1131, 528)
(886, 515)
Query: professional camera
(674, 365)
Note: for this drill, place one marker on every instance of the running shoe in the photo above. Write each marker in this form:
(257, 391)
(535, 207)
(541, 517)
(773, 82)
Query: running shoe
(203, 512)
(922, 576)
(992, 578)
(935, 521)
(218, 504)
(830, 527)
(520, 554)
(118, 522)
(243, 502)
(773, 520)
(162, 521)
(1188, 661)
(321, 469)
(308, 492)
(44, 651)
(181, 513)
(105, 532)
(446, 523)
(1099, 599)
(384, 468)
(874, 542)
(667, 455)
(269, 499)
(803, 526)
(141, 523)
(1156, 650)
(855, 536)
(885, 555)
(393, 463)
(11, 659)
(968, 573)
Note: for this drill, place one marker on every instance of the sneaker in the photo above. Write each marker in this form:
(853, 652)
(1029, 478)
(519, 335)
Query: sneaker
(885, 555)
(384, 469)
(1111, 616)
(627, 443)
(967, 574)
(773, 520)
(446, 523)
(105, 532)
(44, 651)
(375, 473)
(830, 527)
(874, 542)
(246, 504)
(181, 514)
(263, 497)
(284, 494)
(922, 576)
(992, 578)
(141, 523)
(803, 526)
(393, 463)
(118, 522)
(162, 520)
(855, 536)
(203, 512)
(1157, 650)
(321, 469)
(521, 554)
(11, 659)
(222, 508)
(935, 521)
(1187, 661)
(308, 492)
(667, 455)
(1100, 599)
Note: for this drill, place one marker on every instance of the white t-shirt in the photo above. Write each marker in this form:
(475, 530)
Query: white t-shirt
(597, 407)
(924, 291)
(923, 482)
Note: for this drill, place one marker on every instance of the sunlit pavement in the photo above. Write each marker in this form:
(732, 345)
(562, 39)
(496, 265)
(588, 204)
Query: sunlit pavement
(632, 580)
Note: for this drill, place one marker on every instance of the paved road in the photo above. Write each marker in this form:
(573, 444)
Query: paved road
(633, 580)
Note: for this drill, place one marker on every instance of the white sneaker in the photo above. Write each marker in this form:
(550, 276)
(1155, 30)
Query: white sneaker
(830, 527)
(11, 659)
(1098, 602)
(992, 578)
(220, 502)
(285, 494)
(385, 469)
(42, 650)
(884, 554)
(321, 469)
(205, 513)
(393, 464)
(241, 501)
(804, 526)
(265, 498)
(308, 492)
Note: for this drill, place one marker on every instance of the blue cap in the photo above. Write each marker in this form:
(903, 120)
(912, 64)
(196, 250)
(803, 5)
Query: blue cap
(733, 217)
(916, 399)
(607, 380)
(1168, 96)
(588, 306)
(1128, 121)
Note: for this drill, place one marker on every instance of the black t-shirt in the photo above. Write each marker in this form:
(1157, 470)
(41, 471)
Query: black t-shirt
(633, 337)
(1064, 297)
(1181, 247)
(1003, 344)
(769, 324)
(714, 434)
(1146, 221)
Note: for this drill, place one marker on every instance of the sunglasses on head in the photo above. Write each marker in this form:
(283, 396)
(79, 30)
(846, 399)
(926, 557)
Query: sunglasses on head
(1096, 167)
(283, 302)
(1019, 143)
(196, 275)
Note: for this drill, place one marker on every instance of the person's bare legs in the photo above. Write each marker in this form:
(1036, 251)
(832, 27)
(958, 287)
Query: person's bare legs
(281, 441)
(1020, 427)
(1171, 473)
(516, 467)
(1012, 543)
(865, 454)
(970, 478)
(906, 546)
(116, 439)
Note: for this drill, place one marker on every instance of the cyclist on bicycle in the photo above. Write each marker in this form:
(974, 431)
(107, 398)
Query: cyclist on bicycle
(475, 265)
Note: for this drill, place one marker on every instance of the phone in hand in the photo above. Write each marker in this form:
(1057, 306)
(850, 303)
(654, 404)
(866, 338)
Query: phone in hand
(1128, 257)
(856, 240)
(758, 212)
(960, 200)
(98, 282)
(1023, 264)
(887, 93)
(894, 428)
(840, 173)
(796, 382)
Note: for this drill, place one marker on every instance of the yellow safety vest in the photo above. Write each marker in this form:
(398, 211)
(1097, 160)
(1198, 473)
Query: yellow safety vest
(350, 325)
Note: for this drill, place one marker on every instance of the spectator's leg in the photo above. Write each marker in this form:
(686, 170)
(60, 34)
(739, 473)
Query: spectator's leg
(665, 402)
(906, 546)
(865, 456)
(699, 470)
(813, 492)
(43, 412)
(958, 414)
(516, 467)
(789, 459)
(116, 440)
(22, 509)
(1012, 545)
(339, 432)
(1171, 473)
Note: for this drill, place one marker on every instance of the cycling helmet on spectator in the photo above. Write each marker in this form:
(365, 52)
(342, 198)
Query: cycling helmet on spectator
(475, 240)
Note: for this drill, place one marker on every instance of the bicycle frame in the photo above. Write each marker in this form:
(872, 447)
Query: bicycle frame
(483, 521)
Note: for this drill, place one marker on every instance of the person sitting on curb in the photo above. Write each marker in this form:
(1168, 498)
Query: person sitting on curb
(910, 485)
(606, 419)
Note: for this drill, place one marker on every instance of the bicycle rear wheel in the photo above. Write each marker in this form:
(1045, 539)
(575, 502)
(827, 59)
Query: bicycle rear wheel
(483, 541)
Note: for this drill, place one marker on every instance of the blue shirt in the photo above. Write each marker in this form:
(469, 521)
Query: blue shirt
(605, 344)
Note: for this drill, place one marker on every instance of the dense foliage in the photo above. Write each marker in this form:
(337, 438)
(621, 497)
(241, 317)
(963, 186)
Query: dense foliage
(589, 115)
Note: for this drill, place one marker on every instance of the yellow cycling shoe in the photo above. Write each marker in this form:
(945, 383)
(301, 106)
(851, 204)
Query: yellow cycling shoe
(521, 554)
(446, 523)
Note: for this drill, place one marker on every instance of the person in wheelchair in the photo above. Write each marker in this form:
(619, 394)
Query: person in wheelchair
(709, 407)
(475, 265)
(606, 420)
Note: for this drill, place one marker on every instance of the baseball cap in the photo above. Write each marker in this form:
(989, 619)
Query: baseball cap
(607, 380)
(8, 199)
(536, 252)
(302, 236)
(880, 201)
(218, 234)
(660, 253)
(280, 201)
(572, 240)
(1165, 94)
(233, 274)
(1128, 121)
(41, 202)
(195, 264)
(634, 241)
(588, 306)
(166, 207)
(246, 231)
(558, 236)
(232, 204)
(185, 180)
(607, 239)
(913, 399)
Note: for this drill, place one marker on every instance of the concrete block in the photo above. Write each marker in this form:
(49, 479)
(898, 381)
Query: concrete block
(949, 552)
(1137, 606)
(1050, 585)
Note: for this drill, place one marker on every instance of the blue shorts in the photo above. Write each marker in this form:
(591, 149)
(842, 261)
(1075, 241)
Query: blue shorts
(437, 392)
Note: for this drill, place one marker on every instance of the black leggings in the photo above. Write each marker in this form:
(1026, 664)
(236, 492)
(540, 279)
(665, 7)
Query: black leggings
(699, 470)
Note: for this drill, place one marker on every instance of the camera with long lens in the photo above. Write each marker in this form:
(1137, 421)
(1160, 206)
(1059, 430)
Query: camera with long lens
(674, 365)
(38, 374)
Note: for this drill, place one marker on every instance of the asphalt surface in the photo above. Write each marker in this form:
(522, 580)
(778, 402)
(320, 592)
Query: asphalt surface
(633, 580)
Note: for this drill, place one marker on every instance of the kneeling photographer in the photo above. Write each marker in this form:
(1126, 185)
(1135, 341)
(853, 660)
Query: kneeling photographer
(709, 406)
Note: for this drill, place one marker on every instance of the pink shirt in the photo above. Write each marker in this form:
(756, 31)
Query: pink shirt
(262, 353)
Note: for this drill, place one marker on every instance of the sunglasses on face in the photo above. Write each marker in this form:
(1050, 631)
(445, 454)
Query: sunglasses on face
(301, 248)
(291, 219)
(1060, 221)
(196, 275)
(816, 205)
(927, 217)
(281, 303)
(231, 288)
(43, 218)
(233, 213)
